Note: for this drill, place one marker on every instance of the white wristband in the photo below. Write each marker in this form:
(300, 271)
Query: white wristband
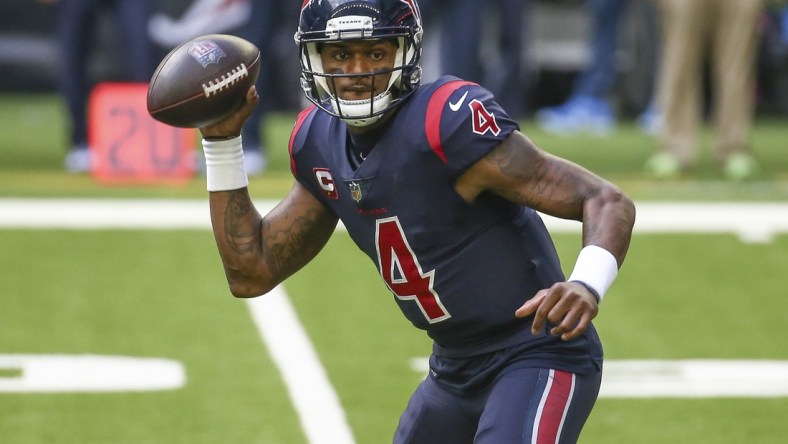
(595, 267)
(224, 164)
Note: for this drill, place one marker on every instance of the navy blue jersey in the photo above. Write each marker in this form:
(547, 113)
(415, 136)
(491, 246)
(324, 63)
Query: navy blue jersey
(457, 270)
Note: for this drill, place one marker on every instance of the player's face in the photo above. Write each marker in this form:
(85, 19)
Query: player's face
(358, 57)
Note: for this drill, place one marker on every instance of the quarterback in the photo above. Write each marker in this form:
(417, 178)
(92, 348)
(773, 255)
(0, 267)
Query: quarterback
(441, 190)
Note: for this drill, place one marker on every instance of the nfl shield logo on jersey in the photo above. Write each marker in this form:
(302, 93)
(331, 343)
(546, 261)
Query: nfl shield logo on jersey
(206, 52)
(355, 191)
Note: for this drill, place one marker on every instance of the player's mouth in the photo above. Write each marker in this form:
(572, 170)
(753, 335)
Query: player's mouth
(356, 92)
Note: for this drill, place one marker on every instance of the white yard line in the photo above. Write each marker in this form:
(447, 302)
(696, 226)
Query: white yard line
(684, 378)
(60, 373)
(752, 222)
(313, 396)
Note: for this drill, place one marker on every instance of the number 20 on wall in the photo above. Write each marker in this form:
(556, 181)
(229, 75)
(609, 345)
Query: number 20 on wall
(129, 146)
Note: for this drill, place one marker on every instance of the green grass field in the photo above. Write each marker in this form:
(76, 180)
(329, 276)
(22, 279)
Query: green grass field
(161, 293)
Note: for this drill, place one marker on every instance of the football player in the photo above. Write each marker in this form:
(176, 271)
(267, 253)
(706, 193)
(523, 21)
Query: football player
(438, 186)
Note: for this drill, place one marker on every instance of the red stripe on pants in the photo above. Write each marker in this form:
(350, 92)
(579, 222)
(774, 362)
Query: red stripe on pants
(558, 397)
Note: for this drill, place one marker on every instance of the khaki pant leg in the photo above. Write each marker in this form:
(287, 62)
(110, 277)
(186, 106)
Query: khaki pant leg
(679, 82)
(734, 50)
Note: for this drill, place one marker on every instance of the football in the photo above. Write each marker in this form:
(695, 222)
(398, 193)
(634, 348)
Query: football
(203, 80)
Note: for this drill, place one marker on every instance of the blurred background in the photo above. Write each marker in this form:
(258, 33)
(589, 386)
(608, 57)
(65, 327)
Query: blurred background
(556, 49)
(562, 67)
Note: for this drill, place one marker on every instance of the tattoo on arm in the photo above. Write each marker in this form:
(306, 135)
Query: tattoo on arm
(241, 236)
(540, 179)
(294, 243)
(284, 240)
(511, 162)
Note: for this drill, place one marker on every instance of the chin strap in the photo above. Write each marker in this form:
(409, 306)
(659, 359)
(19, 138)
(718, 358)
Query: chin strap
(351, 111)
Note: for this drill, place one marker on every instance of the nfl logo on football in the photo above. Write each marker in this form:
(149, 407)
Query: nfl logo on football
(206, 52)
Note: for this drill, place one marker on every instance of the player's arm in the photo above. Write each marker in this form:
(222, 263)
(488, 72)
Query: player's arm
(522, 173)
(257, 252)
(260, 252)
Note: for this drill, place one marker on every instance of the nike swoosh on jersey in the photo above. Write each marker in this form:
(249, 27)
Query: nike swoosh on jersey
(456, 106)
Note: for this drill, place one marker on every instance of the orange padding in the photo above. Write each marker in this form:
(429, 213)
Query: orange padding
(129, 146)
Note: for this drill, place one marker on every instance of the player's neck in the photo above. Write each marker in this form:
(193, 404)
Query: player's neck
(362, 142)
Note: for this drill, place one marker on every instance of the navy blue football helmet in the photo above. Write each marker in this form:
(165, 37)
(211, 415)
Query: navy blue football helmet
(336, 20)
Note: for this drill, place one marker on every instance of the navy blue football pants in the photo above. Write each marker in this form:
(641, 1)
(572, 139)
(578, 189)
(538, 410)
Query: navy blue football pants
(77, 26)
(522, 405)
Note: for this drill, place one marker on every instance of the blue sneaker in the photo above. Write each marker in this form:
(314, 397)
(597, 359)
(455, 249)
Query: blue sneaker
(255, 161)
(650, 121)
(582, 114)
(79, 160)
(784, 24)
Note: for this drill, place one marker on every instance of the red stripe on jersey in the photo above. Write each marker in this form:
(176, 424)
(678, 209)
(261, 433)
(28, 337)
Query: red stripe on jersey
(553, 408)
(299, 122)
(435, 108)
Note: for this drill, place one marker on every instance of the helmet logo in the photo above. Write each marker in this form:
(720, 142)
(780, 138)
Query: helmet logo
(349, 27)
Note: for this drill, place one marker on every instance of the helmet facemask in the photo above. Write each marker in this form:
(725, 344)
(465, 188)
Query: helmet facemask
(404, 77)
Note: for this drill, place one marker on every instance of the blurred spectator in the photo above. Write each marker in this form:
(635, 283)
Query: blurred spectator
(784, 22)
(462, 31)
(261, 30)
(200, 18)
(77, 26)
(587, 109)
(650, 119)
(724, 33)
(772, 69)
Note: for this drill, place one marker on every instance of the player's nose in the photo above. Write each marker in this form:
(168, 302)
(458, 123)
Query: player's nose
(358, 64)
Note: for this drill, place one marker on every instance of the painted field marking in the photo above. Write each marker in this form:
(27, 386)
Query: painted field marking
(695, 378)
(87, 373)
(689, 378)
(752, 222)
(317, 404)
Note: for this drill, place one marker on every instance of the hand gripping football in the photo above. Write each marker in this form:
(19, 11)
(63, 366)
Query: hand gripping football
(203, 80)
